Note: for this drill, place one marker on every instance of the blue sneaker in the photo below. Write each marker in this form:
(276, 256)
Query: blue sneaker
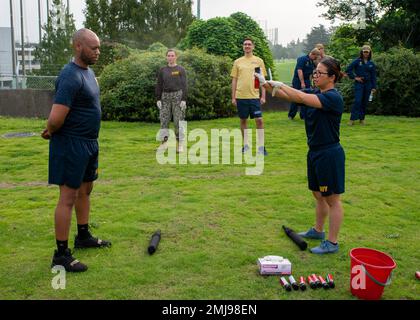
(245, 148)
(261, 150)
(325, 247)
(313, 234)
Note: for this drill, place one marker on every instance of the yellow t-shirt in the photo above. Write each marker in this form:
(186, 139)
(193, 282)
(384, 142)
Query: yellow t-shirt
(243, 69)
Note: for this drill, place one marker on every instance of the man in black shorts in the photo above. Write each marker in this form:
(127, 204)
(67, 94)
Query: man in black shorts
(73, 128)
(245, 96)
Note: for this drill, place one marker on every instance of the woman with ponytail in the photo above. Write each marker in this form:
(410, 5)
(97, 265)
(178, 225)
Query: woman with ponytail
(326, 158)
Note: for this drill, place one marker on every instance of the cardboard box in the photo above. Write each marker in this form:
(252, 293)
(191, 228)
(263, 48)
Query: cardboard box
(274, 265)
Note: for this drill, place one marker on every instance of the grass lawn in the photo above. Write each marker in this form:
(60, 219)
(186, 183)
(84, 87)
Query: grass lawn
(284, 70)
(215, 220)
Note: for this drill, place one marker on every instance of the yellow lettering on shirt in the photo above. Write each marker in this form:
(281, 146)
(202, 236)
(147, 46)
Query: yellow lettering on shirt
(175, 73)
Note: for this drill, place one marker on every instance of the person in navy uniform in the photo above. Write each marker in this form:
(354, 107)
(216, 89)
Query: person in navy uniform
(363, 71)
(73, 129)
(322, 55)
(326, 157)
(302, 78)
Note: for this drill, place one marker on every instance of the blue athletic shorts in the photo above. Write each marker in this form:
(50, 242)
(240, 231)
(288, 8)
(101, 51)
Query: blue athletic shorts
(326, 169)
(249, 108)
(72, 161)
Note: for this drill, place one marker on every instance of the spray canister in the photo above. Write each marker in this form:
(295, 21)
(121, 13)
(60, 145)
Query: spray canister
(330, 280)
(256, 80)
(302, 284)
(312, 283)
(323, 282)
(293, 282)
(285, 284)
(317, 282)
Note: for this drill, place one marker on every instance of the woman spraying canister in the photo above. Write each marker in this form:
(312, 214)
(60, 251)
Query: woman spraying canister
(325, 159)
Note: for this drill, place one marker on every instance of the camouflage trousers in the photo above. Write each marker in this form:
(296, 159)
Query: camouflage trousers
(171, 108)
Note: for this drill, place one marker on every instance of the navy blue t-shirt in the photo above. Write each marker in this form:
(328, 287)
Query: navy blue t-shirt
(307, 66)
(323, 125)
(78, 89)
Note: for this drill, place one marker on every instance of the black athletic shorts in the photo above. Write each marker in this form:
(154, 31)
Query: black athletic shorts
(249, 108)
(326, 169)
(72, 161)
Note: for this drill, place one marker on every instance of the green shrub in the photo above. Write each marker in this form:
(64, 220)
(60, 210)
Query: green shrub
(245, 27)
(346, 42)
(157, 47)
(128, 86)
(110, 52)
(224, 36)
(215, 35)
(398, 84)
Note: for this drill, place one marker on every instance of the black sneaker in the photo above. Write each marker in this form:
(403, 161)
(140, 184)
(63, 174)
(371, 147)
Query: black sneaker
(90, 242)
(69, 263)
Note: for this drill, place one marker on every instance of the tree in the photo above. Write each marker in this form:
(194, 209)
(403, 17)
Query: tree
(93, 17)
(139, 23)
(245, 27)
(317, 35)
(389, 22)
(349, 10)
(279, 52)
(344, 44)
(216, 36)
(224, 36)
(55, 49)
(292, 50)
(296, 49)
(166, 20)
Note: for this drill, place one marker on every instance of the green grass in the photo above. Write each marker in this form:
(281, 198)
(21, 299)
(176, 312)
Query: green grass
(284, 70)
(215, 220)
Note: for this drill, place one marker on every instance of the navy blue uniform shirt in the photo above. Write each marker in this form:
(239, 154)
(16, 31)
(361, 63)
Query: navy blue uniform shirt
(323, 125)
(367, 71)
(78, 89)
(306, 65)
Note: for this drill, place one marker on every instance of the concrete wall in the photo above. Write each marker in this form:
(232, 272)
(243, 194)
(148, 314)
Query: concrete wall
(26, 103)
(37, 103)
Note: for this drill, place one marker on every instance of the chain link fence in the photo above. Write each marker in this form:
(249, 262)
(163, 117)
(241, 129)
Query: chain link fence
(27, 82)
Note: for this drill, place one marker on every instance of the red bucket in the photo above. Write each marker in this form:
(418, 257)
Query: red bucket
(371, 272)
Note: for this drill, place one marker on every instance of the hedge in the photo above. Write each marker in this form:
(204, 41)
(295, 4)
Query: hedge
(398, 84)
(225, 36)
(128, 86)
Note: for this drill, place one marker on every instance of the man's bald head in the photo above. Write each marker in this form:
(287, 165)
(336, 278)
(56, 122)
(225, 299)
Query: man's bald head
(86, 46)
(84, 34)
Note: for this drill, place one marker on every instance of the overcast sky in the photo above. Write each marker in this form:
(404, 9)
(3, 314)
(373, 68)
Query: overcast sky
(293, 18)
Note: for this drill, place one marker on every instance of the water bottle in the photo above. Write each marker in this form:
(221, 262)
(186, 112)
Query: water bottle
(371, 97)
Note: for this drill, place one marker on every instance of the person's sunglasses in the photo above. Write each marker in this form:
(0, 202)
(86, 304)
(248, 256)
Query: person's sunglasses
(366, 51)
